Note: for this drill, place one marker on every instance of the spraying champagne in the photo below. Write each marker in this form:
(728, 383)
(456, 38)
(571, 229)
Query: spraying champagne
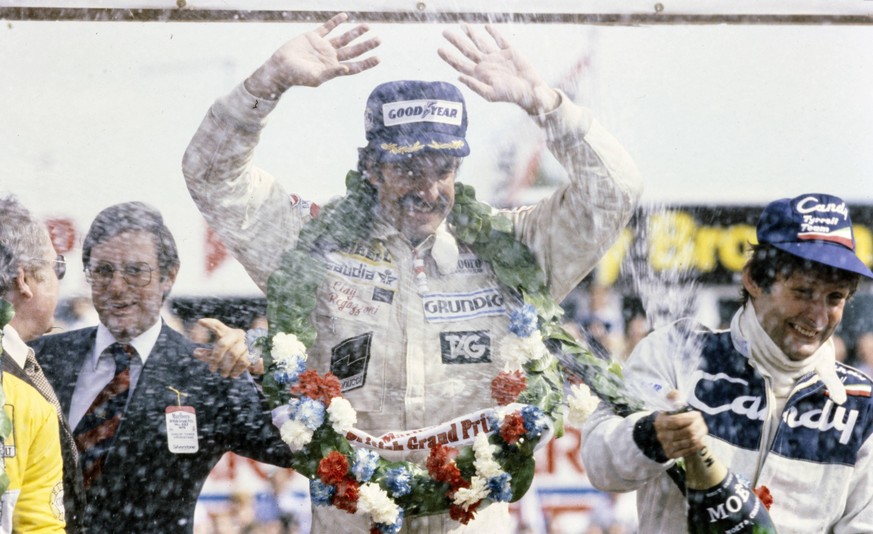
(720, 502)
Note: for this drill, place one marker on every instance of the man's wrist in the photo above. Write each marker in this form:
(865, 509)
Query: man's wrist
(646, 439)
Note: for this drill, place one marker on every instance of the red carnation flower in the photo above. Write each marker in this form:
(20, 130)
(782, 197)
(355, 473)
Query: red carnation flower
(512, 428)
(763, 493)
(507, 386)
(346, 496)
(463, 516)
(333, 468)
(438, 456)
(316, 387)
(441, 466)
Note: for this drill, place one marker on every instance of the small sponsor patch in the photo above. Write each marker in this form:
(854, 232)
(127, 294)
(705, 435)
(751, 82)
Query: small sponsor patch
(57, 501)
(304, 205)
(407, 111)
(445, 307)
(470, 264)
(383, 295)
(357, 269)
(471, 346)
(349, 361)
(375, 252)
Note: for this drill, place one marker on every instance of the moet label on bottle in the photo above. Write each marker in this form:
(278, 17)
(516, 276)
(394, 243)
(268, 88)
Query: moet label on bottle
(720, 502)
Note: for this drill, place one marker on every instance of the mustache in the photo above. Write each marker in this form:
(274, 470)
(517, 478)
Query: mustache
(414, 201)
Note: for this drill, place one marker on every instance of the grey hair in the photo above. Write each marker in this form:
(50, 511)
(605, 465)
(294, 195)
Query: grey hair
(23, 240)
(133, 217)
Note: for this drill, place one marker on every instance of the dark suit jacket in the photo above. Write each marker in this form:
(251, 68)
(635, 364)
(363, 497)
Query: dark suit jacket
(74, 492)
(144, 487)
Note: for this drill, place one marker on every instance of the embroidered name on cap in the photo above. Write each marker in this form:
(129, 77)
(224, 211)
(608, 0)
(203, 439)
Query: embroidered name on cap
(825, 222)
(408, 111)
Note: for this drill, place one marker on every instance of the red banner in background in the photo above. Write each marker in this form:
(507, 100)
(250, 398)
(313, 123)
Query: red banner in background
(62, 231)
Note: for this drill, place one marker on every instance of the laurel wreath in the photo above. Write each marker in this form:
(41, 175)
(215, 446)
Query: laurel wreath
(291, 299)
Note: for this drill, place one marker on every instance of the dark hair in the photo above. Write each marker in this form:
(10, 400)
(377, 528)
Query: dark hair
(133, 217)
(768, 264)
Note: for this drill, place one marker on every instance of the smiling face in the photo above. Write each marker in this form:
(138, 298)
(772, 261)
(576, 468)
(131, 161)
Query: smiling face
(126, 307)
(799, 311)
(416, 195)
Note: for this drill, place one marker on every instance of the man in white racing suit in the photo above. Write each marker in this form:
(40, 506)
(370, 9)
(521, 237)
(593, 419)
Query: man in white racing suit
(409, 318)
(768, 398)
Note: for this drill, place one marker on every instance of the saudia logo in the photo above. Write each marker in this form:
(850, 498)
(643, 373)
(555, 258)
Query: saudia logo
(442, 111)
(823, 419)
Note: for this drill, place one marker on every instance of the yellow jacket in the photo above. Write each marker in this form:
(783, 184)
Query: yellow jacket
(34, 500)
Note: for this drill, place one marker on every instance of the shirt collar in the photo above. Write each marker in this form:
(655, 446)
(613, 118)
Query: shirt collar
(143, 343)
(442, 245)
(15, 346)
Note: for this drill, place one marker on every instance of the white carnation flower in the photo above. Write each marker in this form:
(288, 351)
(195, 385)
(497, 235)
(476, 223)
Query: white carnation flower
(287, 347)
(581, 404)
(485, 464)
(295, 434)
(342, 416)
(373, 500)
(478, 490)
(517, 351)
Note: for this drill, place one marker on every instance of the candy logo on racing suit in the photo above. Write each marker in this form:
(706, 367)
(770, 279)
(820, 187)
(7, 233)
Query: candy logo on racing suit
(473, 346)
(821, 430)
(349, 360)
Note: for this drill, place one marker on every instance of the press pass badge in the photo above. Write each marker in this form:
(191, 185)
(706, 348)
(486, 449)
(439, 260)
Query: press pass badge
(181, 427)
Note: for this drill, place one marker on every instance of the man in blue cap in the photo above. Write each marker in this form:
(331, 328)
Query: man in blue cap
(408, 317)
(768, 397)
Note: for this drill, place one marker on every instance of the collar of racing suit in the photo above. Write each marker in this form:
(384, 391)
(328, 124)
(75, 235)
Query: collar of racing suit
(753, 341)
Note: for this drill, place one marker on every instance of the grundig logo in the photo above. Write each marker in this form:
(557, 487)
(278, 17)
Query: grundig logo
(441, 307)
(407, 111)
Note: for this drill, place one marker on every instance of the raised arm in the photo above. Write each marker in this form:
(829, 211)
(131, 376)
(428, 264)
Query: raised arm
(313, 58)
(570, 231)
(246, 206)
(496, 71)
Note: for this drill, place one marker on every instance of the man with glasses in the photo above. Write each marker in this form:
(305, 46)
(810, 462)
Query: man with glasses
(149, 419)
(39, 454)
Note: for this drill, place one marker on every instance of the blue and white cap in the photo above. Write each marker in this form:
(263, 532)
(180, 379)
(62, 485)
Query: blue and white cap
(408, 117)
(816, 227)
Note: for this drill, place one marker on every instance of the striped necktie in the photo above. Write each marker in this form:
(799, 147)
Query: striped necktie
(34, 372)
(95, 432)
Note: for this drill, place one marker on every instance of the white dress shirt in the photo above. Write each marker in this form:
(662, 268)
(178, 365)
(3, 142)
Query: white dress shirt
(98, 369)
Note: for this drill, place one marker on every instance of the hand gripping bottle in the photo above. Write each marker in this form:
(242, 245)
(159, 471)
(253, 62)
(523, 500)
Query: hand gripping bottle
(720, 502)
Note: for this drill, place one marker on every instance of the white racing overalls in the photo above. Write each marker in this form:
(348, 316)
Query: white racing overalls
(410, 355)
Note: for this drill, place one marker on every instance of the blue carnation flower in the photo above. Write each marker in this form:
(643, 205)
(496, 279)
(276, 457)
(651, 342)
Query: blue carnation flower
(499, 489)
(493, 421)
(391, 529)
(398, 481)
(365, 463)
(523, 321)
(289, 372)
(534, 421)
(320, 493)
(310, 413)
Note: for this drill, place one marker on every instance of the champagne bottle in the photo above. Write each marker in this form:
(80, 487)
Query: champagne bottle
(720, 502)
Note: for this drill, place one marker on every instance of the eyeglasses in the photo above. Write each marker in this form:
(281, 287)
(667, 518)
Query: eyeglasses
(59, 265)
(135, 274)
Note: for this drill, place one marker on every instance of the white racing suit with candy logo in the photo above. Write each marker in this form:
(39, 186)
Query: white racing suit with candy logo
(818, 466)
(410, 354)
